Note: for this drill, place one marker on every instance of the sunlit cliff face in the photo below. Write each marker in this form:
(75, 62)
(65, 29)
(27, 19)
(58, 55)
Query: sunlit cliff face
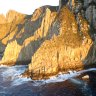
(64, 51)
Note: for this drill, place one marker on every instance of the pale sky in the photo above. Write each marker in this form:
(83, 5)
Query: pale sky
(24, 6)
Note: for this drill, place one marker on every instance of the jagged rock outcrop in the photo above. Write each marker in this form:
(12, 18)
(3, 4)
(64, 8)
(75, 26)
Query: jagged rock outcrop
(2, 19)
(29, 37)
(13, 16)
(13, 19)
(85, 7)
(66, 51)
(8, 27)
(72, 49)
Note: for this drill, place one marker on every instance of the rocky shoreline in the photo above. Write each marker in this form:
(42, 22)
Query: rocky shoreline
(53, 39)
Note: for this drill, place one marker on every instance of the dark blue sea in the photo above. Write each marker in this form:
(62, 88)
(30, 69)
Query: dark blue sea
(13, 84)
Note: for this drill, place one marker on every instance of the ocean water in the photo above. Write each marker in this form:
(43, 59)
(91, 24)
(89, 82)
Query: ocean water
(12, 84)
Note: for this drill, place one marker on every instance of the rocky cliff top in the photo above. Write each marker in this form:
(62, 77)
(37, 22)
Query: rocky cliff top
(11, 15)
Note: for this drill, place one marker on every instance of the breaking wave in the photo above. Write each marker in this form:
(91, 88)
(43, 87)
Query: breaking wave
(12, 74)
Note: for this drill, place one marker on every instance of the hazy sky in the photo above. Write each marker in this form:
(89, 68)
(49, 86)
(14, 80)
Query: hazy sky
(24, 6)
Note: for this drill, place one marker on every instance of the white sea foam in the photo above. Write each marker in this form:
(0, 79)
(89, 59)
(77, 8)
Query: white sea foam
(20, 81)
(76, 81)
(13, 74)
(58, 78)
(63, 77)
(1, 66)
(88, 70)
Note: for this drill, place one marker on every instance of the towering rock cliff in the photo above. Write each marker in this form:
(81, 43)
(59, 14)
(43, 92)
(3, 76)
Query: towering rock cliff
(65, 51)
(28, 36)
(53, 39)
(8, 26)
(72, 48)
